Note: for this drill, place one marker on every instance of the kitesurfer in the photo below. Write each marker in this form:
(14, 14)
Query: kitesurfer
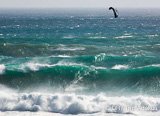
(114, 11)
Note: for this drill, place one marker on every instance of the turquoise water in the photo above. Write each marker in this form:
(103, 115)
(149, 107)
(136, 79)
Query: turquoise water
(95, 53)
(81, 62)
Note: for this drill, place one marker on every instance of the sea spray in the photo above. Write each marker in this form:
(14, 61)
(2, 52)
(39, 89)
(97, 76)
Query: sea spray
(2, 68)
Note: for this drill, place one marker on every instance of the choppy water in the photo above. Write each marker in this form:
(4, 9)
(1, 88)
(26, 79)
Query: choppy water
(72, 58)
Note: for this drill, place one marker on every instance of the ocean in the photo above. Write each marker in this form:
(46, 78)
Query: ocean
(79, 62)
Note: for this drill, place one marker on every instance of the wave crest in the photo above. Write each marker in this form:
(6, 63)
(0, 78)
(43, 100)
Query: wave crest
(2, 68)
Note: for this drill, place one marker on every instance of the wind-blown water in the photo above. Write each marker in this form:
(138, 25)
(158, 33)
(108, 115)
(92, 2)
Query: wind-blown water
(79, 64)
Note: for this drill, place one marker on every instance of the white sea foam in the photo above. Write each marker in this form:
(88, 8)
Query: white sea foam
(127, 33)
(61, 56)
(119, 67)
(77, 104)
(152, 65)
(34, 66)
(155, 65)
(155, 35)
(2, 68)
(100, 57)
(64, 63)
(98, 37)
(69, 37)
(97, 67)
(124, 37)
(70, 48)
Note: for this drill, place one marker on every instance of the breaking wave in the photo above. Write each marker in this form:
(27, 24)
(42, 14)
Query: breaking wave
(77, 104)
